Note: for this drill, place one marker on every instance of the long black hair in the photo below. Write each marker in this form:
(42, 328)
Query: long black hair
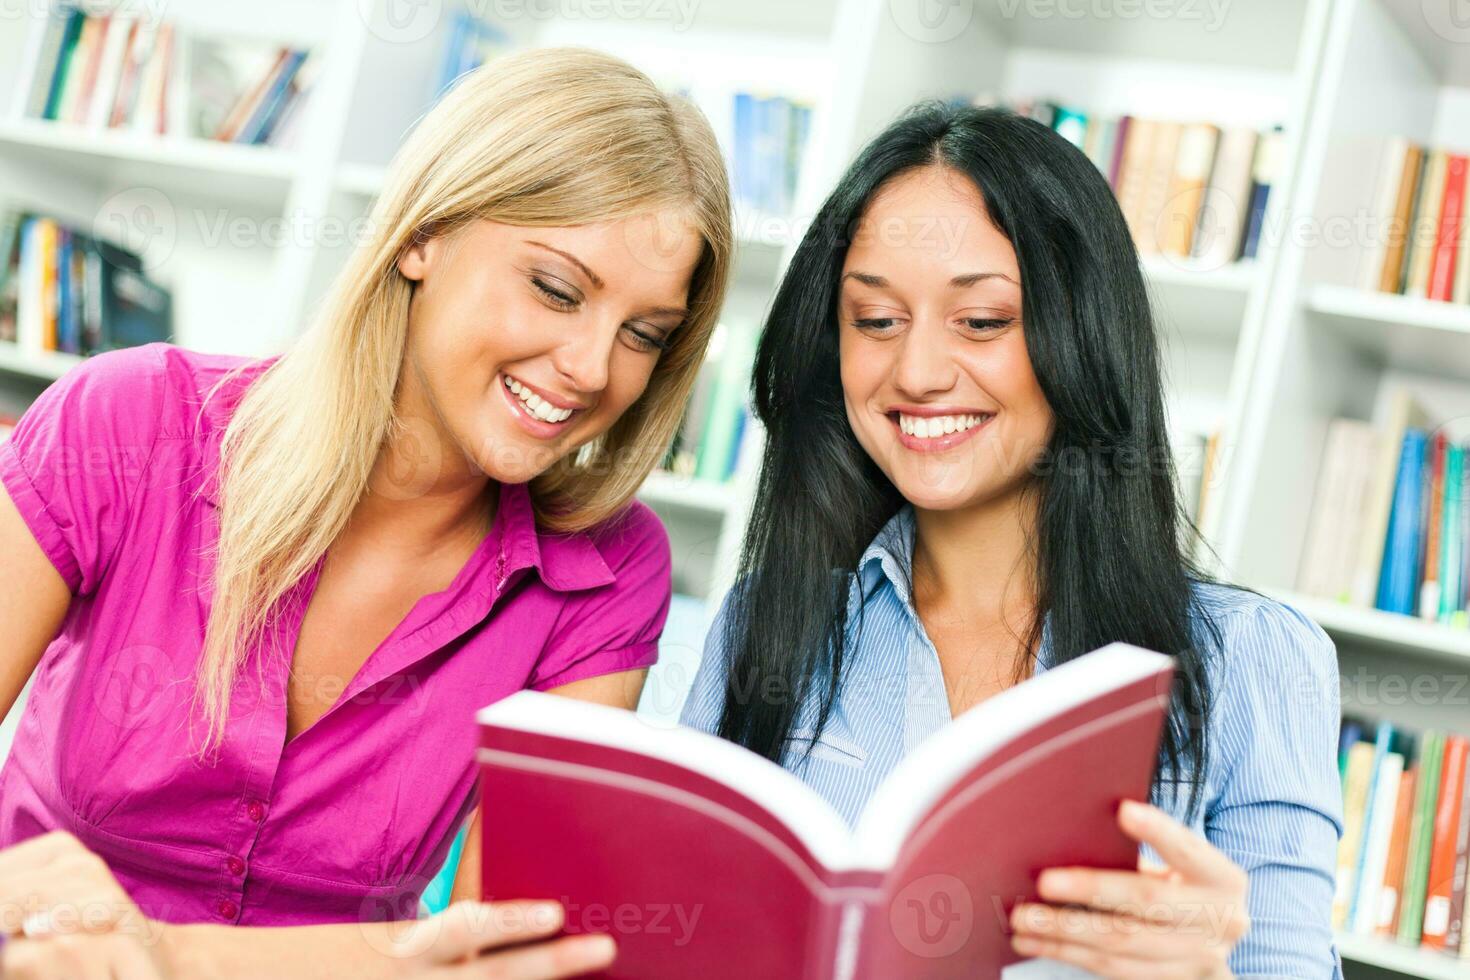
(1112, 544)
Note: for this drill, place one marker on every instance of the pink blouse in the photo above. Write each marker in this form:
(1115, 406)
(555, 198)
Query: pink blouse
(349, 820)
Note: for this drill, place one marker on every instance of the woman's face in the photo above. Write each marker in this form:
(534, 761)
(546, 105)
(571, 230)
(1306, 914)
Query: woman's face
(937, 382)
(525, 343)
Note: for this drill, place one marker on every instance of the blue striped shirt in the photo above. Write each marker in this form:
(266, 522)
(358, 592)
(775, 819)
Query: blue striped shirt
(1271, 798)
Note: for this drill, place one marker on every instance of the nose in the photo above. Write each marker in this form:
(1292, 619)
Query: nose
(924, 365)
(585, 359)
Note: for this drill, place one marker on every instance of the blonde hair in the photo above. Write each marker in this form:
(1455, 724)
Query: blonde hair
(549, 137)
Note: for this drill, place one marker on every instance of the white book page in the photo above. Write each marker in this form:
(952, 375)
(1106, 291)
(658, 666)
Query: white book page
(913, 788)
(791, 801)
(1045, 970)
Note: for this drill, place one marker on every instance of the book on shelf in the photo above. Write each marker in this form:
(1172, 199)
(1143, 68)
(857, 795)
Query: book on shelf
(1388, 528)
(66, 291)
(1419, 246)
(1188, 190)
(134, 72)
(1027, 780)
(1402, 859)
(766, 139)
(716, 426)
(471, 42)
(7, 426)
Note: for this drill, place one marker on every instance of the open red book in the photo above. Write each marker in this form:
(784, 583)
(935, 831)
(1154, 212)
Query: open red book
(705, 860)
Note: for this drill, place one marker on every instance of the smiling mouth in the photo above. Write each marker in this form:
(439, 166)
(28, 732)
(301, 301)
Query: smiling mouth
(534, 405)
(937, 426)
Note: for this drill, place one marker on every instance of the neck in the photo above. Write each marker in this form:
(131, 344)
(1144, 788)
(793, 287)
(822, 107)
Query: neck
(979, 559)
(425, 494)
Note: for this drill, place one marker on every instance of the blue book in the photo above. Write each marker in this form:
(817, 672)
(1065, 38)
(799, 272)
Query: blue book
(744, 146)
(64, 289)
(1397, 588)
(1255, 220)
(254, 129)
(1382, 744)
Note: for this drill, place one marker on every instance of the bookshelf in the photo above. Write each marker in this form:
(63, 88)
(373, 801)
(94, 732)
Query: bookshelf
(1264, 352)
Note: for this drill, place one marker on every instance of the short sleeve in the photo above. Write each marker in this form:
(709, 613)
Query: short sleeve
(1277, 808)
(77, 457)
(615, 627)
(706, 700)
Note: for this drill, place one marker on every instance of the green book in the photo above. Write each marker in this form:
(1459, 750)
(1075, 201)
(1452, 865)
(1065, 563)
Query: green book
(723, 423)
(1421, 840)
(1450, 531)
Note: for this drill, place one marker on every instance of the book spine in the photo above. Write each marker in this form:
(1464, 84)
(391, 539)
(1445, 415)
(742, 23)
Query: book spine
(1197, 146)
(1264, 174)
(1394, 262)
(1400, 559)
(1450, 543)
(1440, 886)
(1391, 173)
(109, 73)
(1411, 920)
(1222, 215)
(1429, 590)
(1442, 271)
(1377, 837)
(38, 64)
(1355, 804)
(1426, 224)
(1365, 896)
(1390, 896)
(1456, 940)
(69, 37)
(1313, 575)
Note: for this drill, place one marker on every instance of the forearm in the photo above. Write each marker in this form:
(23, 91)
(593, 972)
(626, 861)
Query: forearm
(365, 951)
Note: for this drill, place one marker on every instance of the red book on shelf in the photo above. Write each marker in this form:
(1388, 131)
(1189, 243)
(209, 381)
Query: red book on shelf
(1390, 900)
(703, 859)
(1442, 273)
(1439, 894)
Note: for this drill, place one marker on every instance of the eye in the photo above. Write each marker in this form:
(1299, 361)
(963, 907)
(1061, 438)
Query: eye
(875, 323)
(984, 326)
(554, 296)
(645, 340)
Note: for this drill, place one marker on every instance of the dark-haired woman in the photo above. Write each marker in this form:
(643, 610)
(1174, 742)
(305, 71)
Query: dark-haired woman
(961, 388)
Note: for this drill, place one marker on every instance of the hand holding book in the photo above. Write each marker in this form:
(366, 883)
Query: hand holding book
(1184, 916)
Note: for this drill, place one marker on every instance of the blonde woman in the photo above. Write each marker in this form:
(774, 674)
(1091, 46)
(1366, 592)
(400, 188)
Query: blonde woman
(261, 600)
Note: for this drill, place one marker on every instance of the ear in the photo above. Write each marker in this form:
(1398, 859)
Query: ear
(415, 261)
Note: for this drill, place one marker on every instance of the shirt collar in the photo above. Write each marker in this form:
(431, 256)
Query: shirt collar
(566, 562)
(890, 558)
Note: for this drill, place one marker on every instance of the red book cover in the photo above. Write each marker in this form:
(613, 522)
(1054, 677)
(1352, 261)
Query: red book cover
(1440, 891)
(702, 859)
(1446, 241)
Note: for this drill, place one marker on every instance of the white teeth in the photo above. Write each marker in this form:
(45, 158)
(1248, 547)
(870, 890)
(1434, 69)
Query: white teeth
(536, 406)
(928, 427)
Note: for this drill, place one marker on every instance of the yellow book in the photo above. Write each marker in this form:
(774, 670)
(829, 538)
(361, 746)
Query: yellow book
(1354, 809)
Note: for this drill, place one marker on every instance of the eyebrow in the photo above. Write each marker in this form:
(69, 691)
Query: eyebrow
(596, 279)
(968, 279)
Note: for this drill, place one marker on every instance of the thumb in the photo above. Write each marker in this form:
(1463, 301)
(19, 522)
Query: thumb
(466, 929)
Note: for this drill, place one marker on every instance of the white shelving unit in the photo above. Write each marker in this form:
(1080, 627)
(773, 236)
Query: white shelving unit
(1267, 352)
